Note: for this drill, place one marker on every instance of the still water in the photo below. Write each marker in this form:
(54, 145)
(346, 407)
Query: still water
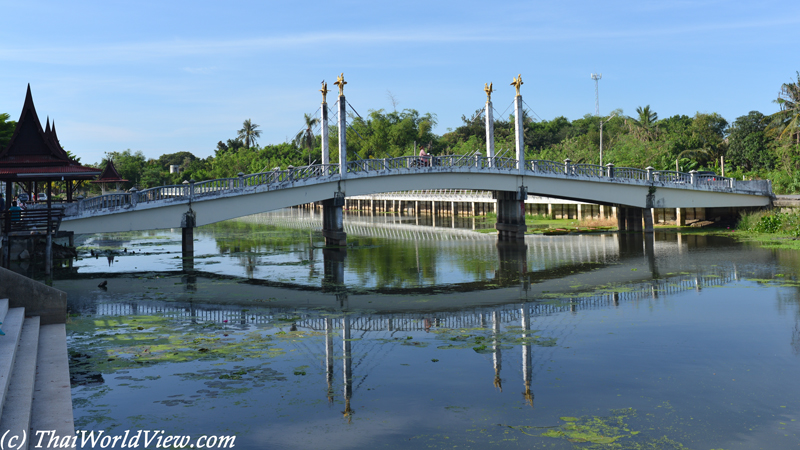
(418, 336)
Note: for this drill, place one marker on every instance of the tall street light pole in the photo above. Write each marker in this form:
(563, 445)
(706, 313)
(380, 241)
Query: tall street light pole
(601, 136)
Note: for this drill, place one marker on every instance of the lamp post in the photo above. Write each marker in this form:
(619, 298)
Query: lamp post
(601, 136)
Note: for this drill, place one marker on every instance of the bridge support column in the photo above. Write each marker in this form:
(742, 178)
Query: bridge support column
(580, 212)
(637, 218)
(621, 221)
(188, 223)
(511, 214)
(333, 221)
(648, 220)
(680, 217)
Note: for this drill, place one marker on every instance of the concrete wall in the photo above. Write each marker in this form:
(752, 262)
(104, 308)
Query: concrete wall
(37, 298)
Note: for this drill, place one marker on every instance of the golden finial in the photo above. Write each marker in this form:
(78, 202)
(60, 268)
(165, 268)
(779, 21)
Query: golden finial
(340, 82)
(488, 89)
(324, 91)
(517, 83)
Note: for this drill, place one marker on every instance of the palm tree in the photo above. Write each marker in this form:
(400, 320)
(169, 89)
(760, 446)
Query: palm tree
(249, 133)
(789, 115)
(305, 138)
(645, 127)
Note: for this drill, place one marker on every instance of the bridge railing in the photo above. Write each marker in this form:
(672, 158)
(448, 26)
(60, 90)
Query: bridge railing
(670, 176)
(630, 173)
(160, 193)
(108, 201)
(587, 170)
(544, 166)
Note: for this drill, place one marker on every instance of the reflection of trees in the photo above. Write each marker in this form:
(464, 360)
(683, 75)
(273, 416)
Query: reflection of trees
(789, 260)
(234, 236)
(398, 263)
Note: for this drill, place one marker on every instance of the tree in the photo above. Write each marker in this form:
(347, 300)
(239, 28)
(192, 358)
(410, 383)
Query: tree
(789, 115)
(305, 138)
(644, 128)
(748, 144)
(249, 133)
(6, 129)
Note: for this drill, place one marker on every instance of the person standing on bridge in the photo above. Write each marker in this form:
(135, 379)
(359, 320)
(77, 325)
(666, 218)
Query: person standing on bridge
(423, 157)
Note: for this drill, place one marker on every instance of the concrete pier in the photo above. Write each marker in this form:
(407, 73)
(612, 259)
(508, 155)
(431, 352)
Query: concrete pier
(333, 222)
(510, 215)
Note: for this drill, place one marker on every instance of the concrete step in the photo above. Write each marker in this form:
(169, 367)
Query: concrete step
(12, 327)
(3, 309)
(16, 415)
(52, 396)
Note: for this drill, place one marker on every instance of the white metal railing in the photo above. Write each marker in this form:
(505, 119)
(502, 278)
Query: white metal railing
(280, 179)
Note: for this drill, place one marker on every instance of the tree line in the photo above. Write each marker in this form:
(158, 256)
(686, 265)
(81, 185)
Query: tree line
(753, 146)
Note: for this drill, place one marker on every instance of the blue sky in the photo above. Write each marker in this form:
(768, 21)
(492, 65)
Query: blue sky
(163, 77)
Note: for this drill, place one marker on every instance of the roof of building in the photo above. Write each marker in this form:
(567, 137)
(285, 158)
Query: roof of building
(109, 175)
(36, 153)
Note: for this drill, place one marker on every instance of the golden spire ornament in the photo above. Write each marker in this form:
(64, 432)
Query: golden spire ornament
(340, 82)
(488, 89)
(517, 83)
(324, 91)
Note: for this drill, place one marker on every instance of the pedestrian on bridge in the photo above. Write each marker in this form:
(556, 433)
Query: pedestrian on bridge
(424, 158)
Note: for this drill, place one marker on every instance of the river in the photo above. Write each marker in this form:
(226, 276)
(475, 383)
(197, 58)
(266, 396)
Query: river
(418, 336)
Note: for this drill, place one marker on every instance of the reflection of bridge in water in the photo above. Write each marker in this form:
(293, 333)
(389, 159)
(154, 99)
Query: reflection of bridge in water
(554, 319)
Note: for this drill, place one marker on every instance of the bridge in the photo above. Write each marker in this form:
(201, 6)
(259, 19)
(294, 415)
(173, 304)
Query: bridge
(635, 192)
(196, 204)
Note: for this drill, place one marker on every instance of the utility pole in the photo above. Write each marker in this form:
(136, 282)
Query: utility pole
(596, 77)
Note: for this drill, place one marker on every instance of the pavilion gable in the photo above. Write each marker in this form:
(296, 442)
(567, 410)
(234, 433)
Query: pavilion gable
(30, 142)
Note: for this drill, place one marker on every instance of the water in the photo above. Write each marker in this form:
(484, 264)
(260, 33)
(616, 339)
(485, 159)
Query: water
(436, 338)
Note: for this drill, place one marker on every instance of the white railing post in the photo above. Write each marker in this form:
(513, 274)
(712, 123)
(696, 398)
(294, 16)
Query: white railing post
(567, 166)
(649, 173)
(693, 177)
(134, 196)
(610, 170)
(241, 180)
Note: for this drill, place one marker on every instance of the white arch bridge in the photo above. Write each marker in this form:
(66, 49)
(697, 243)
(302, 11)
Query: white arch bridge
(227, 198)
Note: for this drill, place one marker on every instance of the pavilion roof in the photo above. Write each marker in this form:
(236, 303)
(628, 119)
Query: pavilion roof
(109, 175)
(34, 153)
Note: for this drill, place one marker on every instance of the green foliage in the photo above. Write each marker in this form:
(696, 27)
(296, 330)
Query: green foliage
(771, 223)
(6, 129)
(749, 145)
(391, 134)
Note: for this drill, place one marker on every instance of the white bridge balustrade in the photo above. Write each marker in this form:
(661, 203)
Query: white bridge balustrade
(226, 198)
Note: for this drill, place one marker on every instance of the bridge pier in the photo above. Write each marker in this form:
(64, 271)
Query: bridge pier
(621, 221)
(188, 222)
(511, 214)
(648, 220)
(333, 221)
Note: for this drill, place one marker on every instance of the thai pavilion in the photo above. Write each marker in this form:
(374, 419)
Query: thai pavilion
(34, 159)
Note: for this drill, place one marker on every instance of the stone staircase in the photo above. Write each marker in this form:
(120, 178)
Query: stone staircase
(34, 380)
